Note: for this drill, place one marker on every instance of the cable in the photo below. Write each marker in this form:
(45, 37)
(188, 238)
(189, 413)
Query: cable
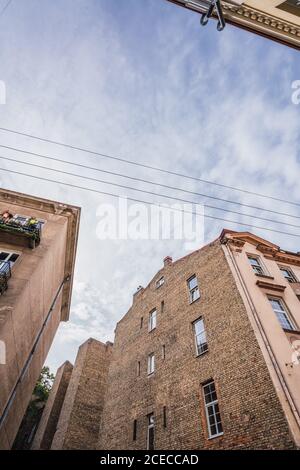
(147, 202)
(5, 7)
(149, 167)
(149, 182)
(146, 192)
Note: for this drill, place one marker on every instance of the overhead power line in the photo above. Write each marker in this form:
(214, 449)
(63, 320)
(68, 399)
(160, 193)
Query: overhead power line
(134, 178)
(145, 191)
(144, 165)
(148, 202)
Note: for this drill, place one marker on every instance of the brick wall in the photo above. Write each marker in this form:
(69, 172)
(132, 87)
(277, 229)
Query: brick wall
(48, 424)
(81, 412)
(252, 416)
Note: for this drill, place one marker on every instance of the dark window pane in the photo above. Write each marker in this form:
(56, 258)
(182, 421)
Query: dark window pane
(213, 430)
(220, 427)
(151, 438)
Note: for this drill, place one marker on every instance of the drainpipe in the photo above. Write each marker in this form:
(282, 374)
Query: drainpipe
(289, 397)
(29, 359)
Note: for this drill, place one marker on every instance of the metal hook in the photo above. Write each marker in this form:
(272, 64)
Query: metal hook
(216, 4)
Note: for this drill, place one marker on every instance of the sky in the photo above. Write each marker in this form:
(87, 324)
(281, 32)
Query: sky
(140, 79)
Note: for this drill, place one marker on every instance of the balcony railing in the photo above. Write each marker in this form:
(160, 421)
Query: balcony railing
(5, 274)
(13, 231)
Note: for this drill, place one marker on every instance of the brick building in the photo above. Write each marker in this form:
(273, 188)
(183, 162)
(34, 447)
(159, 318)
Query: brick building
(74, 408)
(38, 240)
(206, 357)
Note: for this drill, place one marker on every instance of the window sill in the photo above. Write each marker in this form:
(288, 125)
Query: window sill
(216, 436)
(265, 276)
(296, 332)
(153, 329)
(150, 375)
(193, 301)
(201, 354)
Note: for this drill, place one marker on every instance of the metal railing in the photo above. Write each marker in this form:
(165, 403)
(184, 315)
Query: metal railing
(5, 274)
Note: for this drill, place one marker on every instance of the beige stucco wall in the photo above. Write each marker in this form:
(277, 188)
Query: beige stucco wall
(36, 278)
(278, 339)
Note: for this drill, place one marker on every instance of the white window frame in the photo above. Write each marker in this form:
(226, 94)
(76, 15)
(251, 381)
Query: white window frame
(151, 425)
(152, 320)
(261, 265)
(151, 364)
(284, 312)
(203, 346)
(193, 289)
(160, 282)
(292, 277)
(7, 259)
(213, 404)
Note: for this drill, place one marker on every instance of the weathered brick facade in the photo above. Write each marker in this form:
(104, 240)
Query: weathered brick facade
(80, 415)
(48, 424)
(248, 357)
(252, 415)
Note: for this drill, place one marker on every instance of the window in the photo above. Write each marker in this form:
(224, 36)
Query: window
(163, 351)
(160, 282)
(142, 321)
(212, 411)
(162, 306)
(150, 433)
(151, 364)
(165, 416)
(200, 336)
(134, 430)
(193, 288)
(152, 320)
(288, 274)
(256, 265)
(6, 257)
(138, 369)
(281, 312)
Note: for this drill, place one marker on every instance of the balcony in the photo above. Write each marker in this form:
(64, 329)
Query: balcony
(14, 232)
(5, 274)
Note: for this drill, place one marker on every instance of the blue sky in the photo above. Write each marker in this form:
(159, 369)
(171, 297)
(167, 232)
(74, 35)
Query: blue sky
(141, 79)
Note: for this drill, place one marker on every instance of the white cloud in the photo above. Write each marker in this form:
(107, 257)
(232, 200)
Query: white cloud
(142, 80)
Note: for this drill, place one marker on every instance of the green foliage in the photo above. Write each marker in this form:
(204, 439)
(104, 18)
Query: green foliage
(41, 392)
(44, 384)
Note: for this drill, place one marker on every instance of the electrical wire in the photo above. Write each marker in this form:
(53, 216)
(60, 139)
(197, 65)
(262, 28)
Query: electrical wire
(134, 178)
(146, 192)
(144, 165)
(148, 202)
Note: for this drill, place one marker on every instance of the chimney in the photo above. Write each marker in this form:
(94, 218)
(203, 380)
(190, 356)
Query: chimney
(167, 261)
(138, 291)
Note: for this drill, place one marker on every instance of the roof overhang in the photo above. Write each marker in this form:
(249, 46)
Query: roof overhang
(278, 20)
(270, 250)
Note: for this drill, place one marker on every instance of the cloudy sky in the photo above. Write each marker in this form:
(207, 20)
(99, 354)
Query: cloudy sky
(142, 80)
